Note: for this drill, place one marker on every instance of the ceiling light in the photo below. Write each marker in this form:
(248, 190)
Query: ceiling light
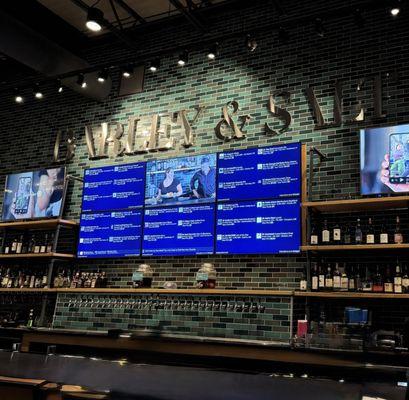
(60, 87)
(182, 60)
(81, 81)
(283, 35)
(213, 52)
(155, 65)
(38, 94)
(127, 71)
(395, 11)
(103, 76)
(18, 98)
(319, 27)
(251, 43)
(94, 19)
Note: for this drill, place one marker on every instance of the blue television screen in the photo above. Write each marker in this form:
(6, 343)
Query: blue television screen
(258, 227)
(110, 234)
(116, 187)
(180, 181)
(260, 173)
(183, 230)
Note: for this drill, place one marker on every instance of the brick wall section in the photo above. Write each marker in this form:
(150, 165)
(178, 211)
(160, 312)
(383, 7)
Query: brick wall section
(347, 52)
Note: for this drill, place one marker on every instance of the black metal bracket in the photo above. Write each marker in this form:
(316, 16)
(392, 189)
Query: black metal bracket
(322, 158)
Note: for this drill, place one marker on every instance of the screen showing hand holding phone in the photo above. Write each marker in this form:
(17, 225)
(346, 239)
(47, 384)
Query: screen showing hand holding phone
(23, 195)
(399, 158)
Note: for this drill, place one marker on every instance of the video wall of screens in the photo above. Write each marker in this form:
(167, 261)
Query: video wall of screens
(235, 202)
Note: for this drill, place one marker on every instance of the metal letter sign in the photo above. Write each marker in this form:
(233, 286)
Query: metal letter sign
(70, 145)
(227, 122)
(279, 113)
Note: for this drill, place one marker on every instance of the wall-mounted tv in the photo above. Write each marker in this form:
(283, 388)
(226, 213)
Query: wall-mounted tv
(110, 234)
(34, 194)
(384, 160)
(258, 227)
(115, 187)
(181, 181)
(259, 173)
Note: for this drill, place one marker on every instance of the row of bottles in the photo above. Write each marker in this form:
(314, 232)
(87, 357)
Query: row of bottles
(357, 234)
(25, 278)
(356, 278)
(24, 243)
(78, 279)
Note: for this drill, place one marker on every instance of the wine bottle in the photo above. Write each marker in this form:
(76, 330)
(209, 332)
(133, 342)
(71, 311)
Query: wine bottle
(367, 284)
(303, 281)
(336, 234)
(397, 280)
(378, 285)
(388, 285)
(336, 279)
(329, 281)
(398, 237)
(313, 236)
(347, 234)
(384, 236)
(344, 279)
(314, 279)
(370, 234)
(405, 280)
(352, 280)
(321, 277)
(358, 232)
(325, 235)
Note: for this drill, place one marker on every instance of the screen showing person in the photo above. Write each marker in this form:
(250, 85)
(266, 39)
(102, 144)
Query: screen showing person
(34, 194)
(184, 180)
(385, 160)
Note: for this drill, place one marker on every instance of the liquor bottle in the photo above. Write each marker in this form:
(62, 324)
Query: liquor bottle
(44, 279)
(352, 280)
(19, 246)
(50, 243)
(336, 279)
(104, 280)
(14, 245)
(378, 285)
(26, 283)
(388, 285)
(32, 281)
(58, 280)
(303, 282)
(21, 277)
(36, 245)
(321, 277)
(314, 279)
(358, 232)
(31, 244)
(384, 236)
(398, 237)
(344, 279)
(347, 234)
(405, 280)
(24, 247)
(37, 282)
(6, 246)
(94, 282)
(336, 234)
(43, 245)
(325, 235)
(329, 281)
(30, 320)
(370, 234)
(10, 280)
(397, 279)
(16, 281)
(313, 236)
(5, 279)
(98, 283)
(367, 282)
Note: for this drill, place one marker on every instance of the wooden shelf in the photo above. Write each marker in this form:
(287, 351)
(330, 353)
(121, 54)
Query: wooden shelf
(38, 224)
(26, 290)
(364, 204)
(36, 255)
(233, 292)
(356, 247)
(352, 295)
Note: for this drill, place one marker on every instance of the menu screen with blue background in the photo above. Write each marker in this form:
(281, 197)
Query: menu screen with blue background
(110, 234)
(184, 230)
(264, 226)
(116, 187)
(235, 202)
(261, 173)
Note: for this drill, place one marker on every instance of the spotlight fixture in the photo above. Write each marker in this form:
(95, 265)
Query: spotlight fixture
(251, 43)
(18, 98)
(358, 18)
(213, 51)
(155, 65)
(38, 94)
(319, 27)
(94, 19)
(102, 76)
(395, 8)
(81, 81)
(283, 35)
(60, 87)
(182, 60)
(127, 71)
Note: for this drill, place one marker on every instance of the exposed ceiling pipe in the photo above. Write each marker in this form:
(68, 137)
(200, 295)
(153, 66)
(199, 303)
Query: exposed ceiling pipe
(189, 16)
(130, 11)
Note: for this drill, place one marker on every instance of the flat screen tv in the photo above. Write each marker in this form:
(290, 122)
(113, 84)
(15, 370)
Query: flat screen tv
(181, 181)
(34, 194)
(115, 187)
(384, 161)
